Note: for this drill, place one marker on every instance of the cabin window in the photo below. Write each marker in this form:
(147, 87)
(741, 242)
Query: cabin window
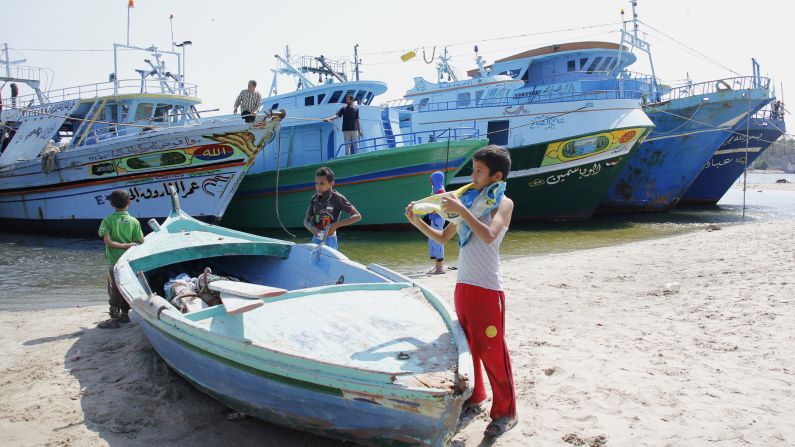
(335, 97)
(178, 114)
(309, 101)
(478, 95)
(571, 65)
(144, 111)
(360, 96)
(320, 98)
(612, 64)
(161, 112)
(156, 160)
(424, 103)
(498, 132)
(604, 65)
(275, 106)
(594, 63)
(369, 98)
(463, 99)
(583, 62)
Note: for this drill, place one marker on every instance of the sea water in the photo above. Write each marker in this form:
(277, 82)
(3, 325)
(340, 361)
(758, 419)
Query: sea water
(41, 272)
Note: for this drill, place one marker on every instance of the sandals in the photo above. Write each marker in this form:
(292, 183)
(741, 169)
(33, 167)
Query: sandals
(500, 425)
(471, 410)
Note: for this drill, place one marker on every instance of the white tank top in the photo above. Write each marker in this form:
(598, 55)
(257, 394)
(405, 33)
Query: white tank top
(479, 262)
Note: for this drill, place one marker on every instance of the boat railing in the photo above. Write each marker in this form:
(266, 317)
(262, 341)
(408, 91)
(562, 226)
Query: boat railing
(571, 76)
(520, 99)
(411, 139)
(709, 87)
(121, 87)
(771, 112)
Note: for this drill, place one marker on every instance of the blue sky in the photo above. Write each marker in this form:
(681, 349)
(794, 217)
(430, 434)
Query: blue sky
(234, 40)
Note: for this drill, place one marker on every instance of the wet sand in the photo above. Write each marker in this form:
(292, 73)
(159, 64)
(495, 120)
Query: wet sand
(686, 340)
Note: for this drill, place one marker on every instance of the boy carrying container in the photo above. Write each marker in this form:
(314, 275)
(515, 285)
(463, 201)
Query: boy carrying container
(323, 216)
(119, 231)
(481, 218)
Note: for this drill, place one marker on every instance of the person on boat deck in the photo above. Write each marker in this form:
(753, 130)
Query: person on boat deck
(119, 231)
(351, 127)
(248, 101)
(323, 215)
(484, 217)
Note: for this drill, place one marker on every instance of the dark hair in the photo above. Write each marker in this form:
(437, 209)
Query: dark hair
(253, 82)
(496, 158)
(119, 198)
(348, 96)
(325, 172)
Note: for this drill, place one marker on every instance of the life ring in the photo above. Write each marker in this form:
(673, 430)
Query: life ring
(725, 85)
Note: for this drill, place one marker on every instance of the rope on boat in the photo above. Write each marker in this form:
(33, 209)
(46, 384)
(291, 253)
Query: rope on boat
(278, 169)
(711, 126)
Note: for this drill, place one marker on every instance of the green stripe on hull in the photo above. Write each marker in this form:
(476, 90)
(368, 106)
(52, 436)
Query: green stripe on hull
(379, 184)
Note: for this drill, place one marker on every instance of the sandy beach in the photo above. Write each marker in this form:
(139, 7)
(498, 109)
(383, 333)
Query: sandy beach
(681, 341)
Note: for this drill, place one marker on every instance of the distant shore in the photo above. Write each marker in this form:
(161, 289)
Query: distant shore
(685, 340)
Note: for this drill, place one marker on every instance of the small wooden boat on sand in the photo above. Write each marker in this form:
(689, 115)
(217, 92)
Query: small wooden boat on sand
(305, 338)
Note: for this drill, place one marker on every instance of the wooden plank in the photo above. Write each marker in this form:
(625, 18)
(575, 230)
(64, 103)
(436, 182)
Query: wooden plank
(245, 289)
(236, 304)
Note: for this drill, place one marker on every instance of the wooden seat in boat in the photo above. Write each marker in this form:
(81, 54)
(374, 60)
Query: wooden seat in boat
(239, 297)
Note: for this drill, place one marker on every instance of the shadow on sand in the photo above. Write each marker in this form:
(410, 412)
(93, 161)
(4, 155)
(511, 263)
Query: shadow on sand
(129, 396)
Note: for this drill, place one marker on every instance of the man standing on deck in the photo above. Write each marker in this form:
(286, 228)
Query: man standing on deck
(351, 128)
(248, 101)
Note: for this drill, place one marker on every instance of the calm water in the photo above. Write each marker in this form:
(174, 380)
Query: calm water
(40, 271)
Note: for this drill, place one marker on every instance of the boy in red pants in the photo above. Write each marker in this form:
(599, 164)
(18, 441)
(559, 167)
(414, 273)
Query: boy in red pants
(484, 214)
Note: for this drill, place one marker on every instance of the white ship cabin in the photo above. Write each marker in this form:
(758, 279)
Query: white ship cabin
(80, 123)
(556, 71)
(102, 113)
(305, 137)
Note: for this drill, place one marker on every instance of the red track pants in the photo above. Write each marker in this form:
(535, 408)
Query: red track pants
(482, 315)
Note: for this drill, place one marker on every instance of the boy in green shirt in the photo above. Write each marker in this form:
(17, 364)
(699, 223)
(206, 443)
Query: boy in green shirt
(119, 231)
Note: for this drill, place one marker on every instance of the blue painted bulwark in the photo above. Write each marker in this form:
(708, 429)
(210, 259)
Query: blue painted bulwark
(347, 352)
(729, 161)
(687, 132)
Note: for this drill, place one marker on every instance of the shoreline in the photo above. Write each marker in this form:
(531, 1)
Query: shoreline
(683, 340)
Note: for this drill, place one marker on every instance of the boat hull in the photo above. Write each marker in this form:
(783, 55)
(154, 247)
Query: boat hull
(569, 189)
(564, 156)
(326, 411)
(204, 165)
(379, 184)
(687, 132)
(729, 161)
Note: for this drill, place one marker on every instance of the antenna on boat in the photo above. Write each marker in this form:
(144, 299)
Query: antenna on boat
(480, 62)
(356, 60)
(444, 67)
(633, 41)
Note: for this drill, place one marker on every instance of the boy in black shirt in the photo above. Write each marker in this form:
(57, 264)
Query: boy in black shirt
(323, 215)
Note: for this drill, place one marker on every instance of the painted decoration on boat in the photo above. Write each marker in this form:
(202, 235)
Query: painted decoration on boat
(576, 148)
(211, 152)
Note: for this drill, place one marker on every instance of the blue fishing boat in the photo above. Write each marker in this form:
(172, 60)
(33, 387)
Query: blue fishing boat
(304, 337)
(748, 140)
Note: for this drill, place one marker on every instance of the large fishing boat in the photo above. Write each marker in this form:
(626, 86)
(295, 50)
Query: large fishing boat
(70, 148)
(566, 146)
(386, 170)
(748, 140)
(690, 121)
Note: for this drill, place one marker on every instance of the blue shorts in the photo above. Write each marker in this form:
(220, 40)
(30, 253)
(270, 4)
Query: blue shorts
(331, 241)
